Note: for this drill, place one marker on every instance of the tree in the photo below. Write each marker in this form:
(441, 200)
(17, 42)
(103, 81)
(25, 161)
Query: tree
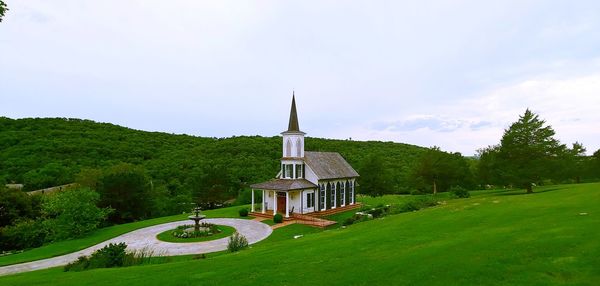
(211, 186)
(14, 205)
(526, 149)
(572, 164)
(374, 179)
(488, 165)
(126, 189)
(73, 212)
(439, 170)
(3, 9)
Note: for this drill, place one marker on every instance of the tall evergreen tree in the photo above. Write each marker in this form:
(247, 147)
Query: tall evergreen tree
(3, 9)
(526, 150)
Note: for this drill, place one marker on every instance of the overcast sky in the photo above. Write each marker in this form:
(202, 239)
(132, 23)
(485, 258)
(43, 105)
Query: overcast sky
(452, 74)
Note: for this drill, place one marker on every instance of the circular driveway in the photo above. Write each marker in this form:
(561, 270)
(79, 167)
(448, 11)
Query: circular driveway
(145, 238)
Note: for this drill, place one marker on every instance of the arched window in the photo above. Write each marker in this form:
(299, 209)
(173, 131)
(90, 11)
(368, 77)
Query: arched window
(299, 148)
(322, 198)
(352, 192)
(288, 148)
(333, 205)
(343, 194)
(349, 191)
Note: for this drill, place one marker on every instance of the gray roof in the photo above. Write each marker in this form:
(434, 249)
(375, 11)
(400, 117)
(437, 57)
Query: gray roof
(284, 185)
(329, 165)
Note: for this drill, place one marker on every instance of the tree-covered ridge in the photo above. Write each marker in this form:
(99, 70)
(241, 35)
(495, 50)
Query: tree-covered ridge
(42, 152)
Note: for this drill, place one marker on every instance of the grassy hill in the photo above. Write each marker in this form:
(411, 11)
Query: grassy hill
(43, 152)
(494, 238)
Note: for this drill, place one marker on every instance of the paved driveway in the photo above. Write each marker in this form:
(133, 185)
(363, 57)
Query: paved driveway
(254, 231)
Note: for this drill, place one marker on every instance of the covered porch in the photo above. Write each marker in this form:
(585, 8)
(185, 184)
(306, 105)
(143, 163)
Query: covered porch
(284, 196)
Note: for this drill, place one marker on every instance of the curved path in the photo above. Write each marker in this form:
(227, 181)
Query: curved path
(145, 238)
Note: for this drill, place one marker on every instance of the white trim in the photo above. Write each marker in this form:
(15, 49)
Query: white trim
(333, 196)
(274, 202)
(287, 204)
(252, 208)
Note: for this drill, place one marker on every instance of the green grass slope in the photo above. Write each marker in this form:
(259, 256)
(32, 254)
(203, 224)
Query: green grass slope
(103, 234)
(493, 238)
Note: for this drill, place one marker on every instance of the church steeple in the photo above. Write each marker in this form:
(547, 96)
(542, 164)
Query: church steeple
(293, 125)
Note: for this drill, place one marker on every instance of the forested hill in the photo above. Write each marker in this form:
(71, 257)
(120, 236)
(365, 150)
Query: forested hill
(44, 152)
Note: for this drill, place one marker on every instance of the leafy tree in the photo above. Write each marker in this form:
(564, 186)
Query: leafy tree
(572, 164)
(73, 212)
(488, 165)
(126, 189)
(374, 178)
(3, 9)
(438, 170)
(14, 205)
(52, 174)
(211, 186)
(526, 150)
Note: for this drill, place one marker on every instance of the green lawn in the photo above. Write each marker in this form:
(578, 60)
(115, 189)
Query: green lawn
(103, 234)
(168, 235)
(494, 238)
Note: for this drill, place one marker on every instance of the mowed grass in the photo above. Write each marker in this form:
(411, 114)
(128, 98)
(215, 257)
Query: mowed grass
(550, 237)
(103, 234)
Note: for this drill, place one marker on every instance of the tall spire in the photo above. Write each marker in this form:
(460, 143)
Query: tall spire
(293, 126)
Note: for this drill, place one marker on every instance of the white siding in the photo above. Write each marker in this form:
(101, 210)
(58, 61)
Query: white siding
(294, 139)
(310, 175)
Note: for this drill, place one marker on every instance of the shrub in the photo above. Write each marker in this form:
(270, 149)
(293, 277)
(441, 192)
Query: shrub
(112, 255)
(109, 256)
(237, 242)
(73, 212)
(348, 221)
(278, 218)
(183, 231)
(144, 256)
(24, 234)
(378, 212)
(243, 212)
(82, 263)
(460, 192)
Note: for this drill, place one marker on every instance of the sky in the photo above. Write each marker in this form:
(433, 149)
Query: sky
(453, 74)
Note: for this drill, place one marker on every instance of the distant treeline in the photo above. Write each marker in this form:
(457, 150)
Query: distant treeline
(45, 152)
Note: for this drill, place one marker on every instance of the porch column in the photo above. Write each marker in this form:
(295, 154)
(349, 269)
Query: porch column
(262, 210)
(274, 202)
(252, 208)
(287, 204)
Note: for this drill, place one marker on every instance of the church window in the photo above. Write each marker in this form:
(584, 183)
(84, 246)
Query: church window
(310, 200)
(299, 148)
(342, 194)
(299, 171)
(351, 191)
(333, 195)
(289, 171)
(322, 200)
(288, 148)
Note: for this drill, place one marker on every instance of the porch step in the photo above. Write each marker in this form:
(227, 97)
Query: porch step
(335, 211)
(267, 215)
(312, 221)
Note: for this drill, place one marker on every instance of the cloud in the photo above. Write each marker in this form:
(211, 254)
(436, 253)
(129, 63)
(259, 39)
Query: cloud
(571, 106)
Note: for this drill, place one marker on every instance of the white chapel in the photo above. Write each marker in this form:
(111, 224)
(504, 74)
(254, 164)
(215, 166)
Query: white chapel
(308, 182)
